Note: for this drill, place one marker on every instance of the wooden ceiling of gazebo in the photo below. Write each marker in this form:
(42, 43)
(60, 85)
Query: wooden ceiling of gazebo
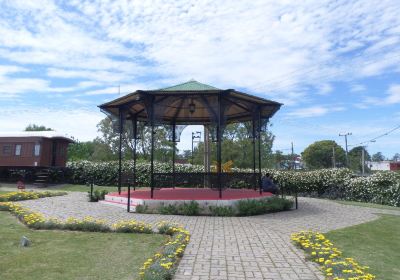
(191, 103)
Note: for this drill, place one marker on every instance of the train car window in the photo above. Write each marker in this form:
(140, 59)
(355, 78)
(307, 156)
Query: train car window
(7, 150)
(18, 149)
(37, 150)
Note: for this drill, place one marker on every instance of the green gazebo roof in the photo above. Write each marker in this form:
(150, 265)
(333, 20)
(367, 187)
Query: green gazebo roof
(191, 85)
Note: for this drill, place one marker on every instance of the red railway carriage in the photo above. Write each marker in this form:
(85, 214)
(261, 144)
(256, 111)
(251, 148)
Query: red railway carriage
(33, 149)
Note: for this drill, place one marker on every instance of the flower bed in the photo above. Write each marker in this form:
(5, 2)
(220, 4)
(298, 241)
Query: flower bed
(162, 266)
(164, 263)
(24, 195)
(332, 263)
(246, 207)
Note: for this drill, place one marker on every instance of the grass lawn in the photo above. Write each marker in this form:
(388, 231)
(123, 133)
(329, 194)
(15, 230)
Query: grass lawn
(72, 255)
(365, 204)
(375, 244)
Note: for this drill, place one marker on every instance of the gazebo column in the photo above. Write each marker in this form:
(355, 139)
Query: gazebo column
(134, 132)
(134, 121)
(120, 131)
(173, 153)
(259, 149)
(254, 136)
(152, 152)
(219, 146)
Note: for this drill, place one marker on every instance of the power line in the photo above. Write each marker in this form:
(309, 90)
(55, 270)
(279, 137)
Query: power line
(379, 136)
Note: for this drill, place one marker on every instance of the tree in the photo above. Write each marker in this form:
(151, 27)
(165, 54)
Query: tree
(378, 157)
(320, 153)
(238, 147)
(396, 157)
(81, 150)
(355, 158)
(35, 127)
(108, 143)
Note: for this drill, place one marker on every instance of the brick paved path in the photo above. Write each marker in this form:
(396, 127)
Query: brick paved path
(232, 248)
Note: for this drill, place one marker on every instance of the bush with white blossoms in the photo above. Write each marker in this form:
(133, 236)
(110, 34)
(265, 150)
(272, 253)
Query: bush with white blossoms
(106, 173)
(380, 187)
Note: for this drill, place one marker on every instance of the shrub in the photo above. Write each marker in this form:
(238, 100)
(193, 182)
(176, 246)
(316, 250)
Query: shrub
(189, 209)
(142, 208)
(381, 187)
(106, 173)
(252, 207)
(170, 209)
(97, 195)
(222, 211)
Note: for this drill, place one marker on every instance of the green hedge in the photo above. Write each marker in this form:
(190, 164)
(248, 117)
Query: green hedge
(381, 187)
(106, 173)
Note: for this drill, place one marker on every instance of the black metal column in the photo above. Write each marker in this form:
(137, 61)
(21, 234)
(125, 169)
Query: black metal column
(173, 154)
(121, 129)
(219, 139)
(254, 152)
(259, 148)
(152, 152)
(134, 134)
(134, 151)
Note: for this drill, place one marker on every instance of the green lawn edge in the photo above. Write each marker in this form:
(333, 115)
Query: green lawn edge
(367, 204)
(375, 244)
(56, 254)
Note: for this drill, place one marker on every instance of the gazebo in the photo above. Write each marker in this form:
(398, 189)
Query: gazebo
(192, 103)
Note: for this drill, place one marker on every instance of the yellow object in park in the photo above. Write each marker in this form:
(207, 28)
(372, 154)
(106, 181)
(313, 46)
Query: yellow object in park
(226, 167)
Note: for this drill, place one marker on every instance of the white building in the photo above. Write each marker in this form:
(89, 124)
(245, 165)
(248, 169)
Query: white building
(383, 165)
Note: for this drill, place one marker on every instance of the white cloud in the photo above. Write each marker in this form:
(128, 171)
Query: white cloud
(392, 97)
(263, 45)
(357, 88)
(109, 90)
(101, 77)
(393, 94)
(63, 120)
(314, 111)
(268, 47)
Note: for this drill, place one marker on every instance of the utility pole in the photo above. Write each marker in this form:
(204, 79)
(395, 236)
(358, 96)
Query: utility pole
(195, 135)
(293, 161)
(363, 160)
(347, 151)
(333, 157)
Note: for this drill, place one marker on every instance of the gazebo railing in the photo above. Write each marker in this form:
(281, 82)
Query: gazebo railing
(238, 180)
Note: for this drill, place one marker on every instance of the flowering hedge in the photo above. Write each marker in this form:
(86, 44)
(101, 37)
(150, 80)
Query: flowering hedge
(380, 187)
(106, 173)
(18, 196)
(161, 266)
(332, 263)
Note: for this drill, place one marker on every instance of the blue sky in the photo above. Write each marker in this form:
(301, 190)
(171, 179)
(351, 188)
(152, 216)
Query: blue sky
(334, 64)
